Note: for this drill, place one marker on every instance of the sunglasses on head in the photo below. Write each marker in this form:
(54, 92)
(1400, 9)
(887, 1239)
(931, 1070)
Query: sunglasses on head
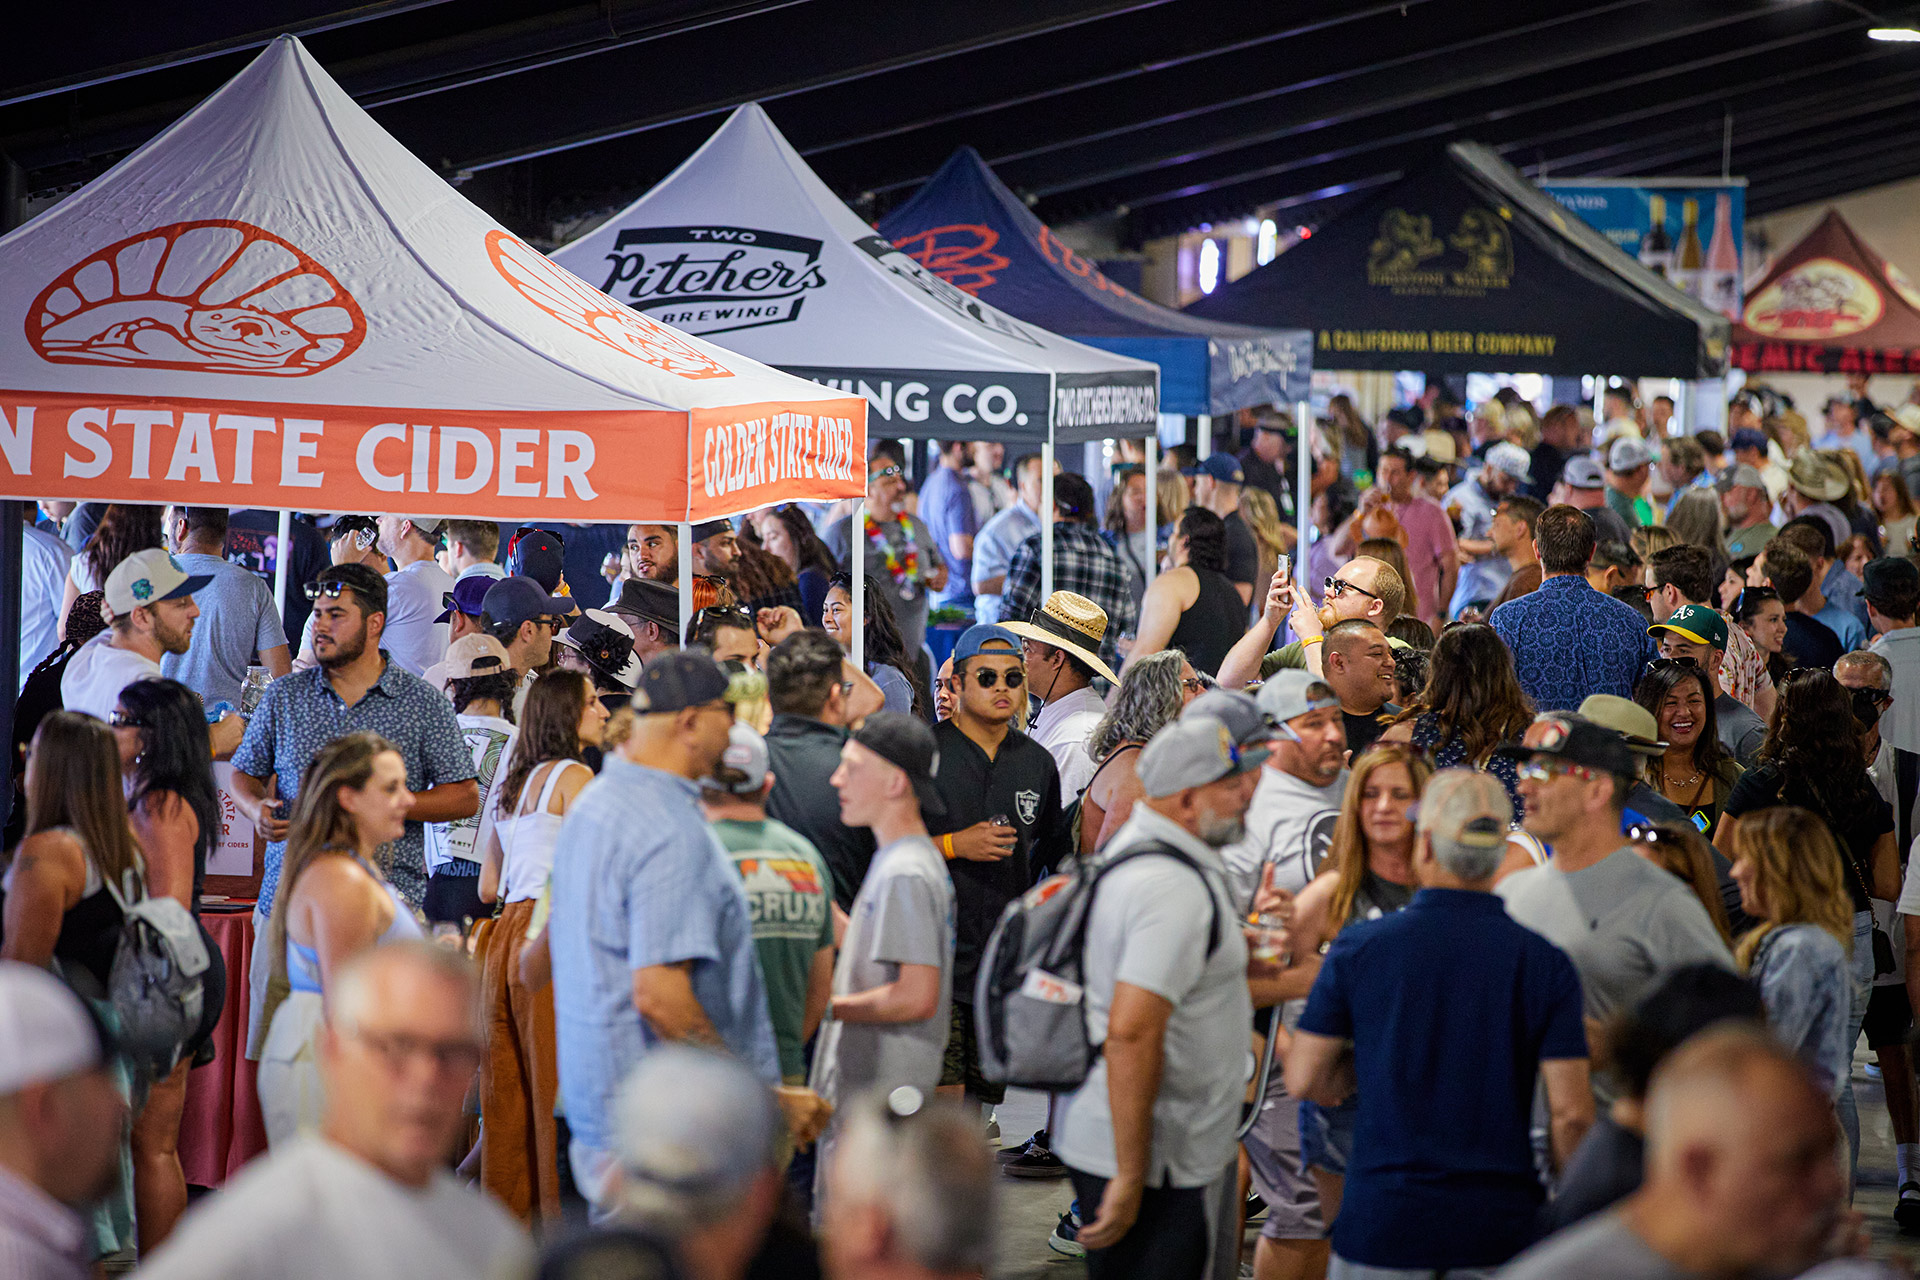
(987, 677)
(125, 720)
(332, 589)
(1670, 664)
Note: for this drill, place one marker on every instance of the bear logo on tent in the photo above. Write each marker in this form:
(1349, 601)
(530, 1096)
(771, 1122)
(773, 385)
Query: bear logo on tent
(584, 309)
(214, 296)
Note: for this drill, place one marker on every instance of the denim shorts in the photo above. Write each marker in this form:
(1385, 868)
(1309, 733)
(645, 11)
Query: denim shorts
(1326, 1135)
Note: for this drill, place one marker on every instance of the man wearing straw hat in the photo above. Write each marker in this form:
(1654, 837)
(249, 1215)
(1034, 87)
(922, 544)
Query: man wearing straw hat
(1061, 645)
(1813, 485)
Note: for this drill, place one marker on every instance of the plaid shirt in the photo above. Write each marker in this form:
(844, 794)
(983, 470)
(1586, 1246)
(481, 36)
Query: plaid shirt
(1083, 562)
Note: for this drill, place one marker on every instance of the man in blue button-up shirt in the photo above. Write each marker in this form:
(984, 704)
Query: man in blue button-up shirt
(651, 937)
(1568, 640)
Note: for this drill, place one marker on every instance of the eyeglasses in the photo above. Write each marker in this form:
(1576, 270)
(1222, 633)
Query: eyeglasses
(395, 1049)
(125, 720)
(884, 473)
(1335, 586)
(987, 677)
(1534, 771)
(1193, 684)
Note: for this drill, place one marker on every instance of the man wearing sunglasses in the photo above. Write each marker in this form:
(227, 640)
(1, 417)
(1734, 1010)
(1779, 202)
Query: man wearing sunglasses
(1003, 823)
(1622, 920)
(1363, 587)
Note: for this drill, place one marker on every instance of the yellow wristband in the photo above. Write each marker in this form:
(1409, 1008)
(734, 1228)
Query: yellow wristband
(1312, 640)
(946, 846)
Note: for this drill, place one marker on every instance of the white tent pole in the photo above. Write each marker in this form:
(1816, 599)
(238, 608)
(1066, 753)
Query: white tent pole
(1303, 484)
(857, 546)
(283, 563)
(1046, 522)
(1153, 506)
(686, 581)
(1204, 446)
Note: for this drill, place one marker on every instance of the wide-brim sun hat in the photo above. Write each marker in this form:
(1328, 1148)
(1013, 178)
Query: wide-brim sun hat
(1073, 623)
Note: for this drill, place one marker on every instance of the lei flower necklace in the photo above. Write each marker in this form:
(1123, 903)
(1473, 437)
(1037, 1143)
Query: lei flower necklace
(903, 563)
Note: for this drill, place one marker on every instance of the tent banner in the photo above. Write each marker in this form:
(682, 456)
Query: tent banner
(1690, 230)
(1277, 368)
(1804, 357)
(933, 403)
(585, 465)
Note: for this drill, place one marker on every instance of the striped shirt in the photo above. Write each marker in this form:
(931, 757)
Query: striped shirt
(40, 1238)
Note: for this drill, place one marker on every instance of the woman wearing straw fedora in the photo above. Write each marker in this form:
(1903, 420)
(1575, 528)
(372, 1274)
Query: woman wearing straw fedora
(1061, 646)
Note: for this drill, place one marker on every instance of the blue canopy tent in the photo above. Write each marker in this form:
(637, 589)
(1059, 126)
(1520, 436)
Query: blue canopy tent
(966, 226)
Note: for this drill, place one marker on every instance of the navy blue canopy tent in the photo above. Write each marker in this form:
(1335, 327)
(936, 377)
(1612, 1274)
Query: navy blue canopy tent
(966, 226)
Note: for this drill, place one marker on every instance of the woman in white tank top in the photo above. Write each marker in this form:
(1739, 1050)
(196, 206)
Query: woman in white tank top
(519, 1081)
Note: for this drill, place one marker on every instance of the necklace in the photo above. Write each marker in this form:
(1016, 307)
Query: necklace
(1667, 782)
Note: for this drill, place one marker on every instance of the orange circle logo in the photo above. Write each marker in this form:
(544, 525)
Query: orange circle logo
(584, 309)
(216, 296)
(1820, 298)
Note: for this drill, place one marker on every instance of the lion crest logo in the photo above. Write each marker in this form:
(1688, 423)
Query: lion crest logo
(1405, 241)
(1483, 238)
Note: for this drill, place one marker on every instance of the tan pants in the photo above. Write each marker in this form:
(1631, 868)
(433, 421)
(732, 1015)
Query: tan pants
(519, 1080)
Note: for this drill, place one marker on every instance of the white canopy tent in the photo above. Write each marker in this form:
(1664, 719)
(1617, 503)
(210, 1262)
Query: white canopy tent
(274, 304)
(743, 244)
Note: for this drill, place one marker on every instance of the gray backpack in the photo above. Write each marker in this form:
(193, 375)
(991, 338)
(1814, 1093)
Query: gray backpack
(157, 984)
(1029, 1000)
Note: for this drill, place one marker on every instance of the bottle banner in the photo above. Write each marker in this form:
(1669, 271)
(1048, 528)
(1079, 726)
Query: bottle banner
(1690, 230)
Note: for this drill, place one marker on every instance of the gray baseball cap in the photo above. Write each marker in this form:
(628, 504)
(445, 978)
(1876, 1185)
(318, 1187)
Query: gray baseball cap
(1742, 476)
(1292, 692)
(1628, 453)
(1583, 472)
(690, 1126)
(742, 768)
(1240, 712)
(1192, 752)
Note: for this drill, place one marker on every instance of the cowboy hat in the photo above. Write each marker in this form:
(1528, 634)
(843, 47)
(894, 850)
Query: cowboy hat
(1073, 623)
(1817, 478)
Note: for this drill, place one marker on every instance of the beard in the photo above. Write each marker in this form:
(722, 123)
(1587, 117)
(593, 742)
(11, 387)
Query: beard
(346, 650)
(173, 639)
(1222, 829)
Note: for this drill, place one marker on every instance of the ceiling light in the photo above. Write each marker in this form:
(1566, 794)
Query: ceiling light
(1897, 35)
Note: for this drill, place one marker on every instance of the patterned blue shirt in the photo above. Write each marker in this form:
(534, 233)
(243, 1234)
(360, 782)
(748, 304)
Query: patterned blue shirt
(1569, 642)
(301, 713)
(642, 880)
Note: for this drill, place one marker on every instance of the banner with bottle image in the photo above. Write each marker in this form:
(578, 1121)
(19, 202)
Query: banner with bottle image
(1690, 230)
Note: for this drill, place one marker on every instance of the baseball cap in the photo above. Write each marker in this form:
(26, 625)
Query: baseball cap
(905, 742)
(1579, 741)
(46, 1034)
(650, 601)
(148, 577)
(539, 555)
(1628, 453)
(710, 529)
(1512, 459)
(1889, 578)
(1239, 711)
(1192, 752)
(974, 641)
(678, 679)
(1748, 438)
(691, 1127)
(1465, 807)
(1742, 475)
(427, 525)
(466, 597)
(742, 767)
(1221, 466)
(606, 642)
(1289, 692)
(520, 599)
(1582, 472)
(1697, 623)
(477, 654)
(1627, 718)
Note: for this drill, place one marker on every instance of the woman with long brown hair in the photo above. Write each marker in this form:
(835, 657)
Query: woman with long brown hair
(1368, 874)
(1359, 450)
(60, 912)
(124, 528)
(519, 1078)
(1695, 772)
(785, 532)
(1471, 703)
(334, 902)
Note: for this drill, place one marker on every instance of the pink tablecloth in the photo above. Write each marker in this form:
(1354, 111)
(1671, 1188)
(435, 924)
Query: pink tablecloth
(222, 1128)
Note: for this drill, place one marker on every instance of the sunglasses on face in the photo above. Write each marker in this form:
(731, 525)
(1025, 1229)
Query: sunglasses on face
(125, 720)
(1534, 771)
(1645, 833)
(884, 473)
(987, 677)
(1336, 586)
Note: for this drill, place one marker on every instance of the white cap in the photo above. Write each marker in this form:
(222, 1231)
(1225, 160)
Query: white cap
(1512, 459)
(45, 1032)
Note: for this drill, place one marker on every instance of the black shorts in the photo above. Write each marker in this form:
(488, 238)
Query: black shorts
(962, 1063)
(1889, 1016)
(453, 899)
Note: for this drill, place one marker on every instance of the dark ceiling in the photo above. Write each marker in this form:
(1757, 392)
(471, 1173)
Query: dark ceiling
(1169, 113)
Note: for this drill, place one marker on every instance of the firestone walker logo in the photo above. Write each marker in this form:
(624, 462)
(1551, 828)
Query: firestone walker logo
(1820, 298)
(960, 253)
(1401, 257)
(710, 280)
(215, 296)
(575, 303)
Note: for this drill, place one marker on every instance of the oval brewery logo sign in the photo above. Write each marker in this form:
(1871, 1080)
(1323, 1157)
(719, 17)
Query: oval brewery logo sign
(709, 280)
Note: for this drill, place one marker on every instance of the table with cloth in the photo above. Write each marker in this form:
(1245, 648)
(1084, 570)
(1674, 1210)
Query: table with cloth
(221, 1128)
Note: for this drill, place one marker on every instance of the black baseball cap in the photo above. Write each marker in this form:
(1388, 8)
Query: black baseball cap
(466, 597)
(519, 599)
(1889, 578)
(1579, 741)
(678, 679)
(711, 529)
(905, 742)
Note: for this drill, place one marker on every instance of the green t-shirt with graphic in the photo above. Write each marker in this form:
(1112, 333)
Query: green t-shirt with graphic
(789, 899)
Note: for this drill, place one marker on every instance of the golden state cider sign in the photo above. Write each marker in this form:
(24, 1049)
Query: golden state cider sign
(1409, 258)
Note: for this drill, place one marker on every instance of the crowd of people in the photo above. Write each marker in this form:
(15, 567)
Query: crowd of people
(1499, 883)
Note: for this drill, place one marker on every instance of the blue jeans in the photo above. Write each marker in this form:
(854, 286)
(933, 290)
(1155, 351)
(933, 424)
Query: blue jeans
(1856, 1018)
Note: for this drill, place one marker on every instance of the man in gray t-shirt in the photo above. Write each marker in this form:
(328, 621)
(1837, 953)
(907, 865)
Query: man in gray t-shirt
(887, 1021)
(238, 624)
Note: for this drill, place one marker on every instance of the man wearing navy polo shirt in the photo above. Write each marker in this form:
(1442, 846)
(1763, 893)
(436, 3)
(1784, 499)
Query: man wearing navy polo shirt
(1453, 1010)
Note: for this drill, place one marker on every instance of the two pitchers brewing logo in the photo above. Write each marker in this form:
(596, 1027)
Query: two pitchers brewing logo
(709, 280)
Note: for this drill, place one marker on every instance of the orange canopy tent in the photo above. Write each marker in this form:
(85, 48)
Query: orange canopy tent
(1830, 304)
